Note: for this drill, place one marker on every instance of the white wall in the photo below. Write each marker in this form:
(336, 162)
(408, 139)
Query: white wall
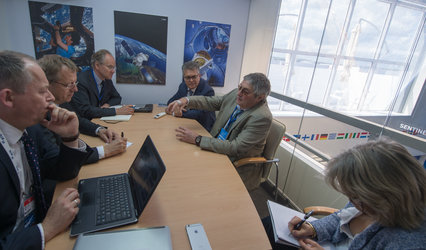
(15, 27)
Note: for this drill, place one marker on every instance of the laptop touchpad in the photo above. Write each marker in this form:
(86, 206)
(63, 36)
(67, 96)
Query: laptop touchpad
(87, 198)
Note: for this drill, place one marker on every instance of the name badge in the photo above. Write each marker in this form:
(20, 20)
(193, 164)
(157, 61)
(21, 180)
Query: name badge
(223, 134)
(29, 212)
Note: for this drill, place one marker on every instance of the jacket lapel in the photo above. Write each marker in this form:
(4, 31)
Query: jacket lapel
(8, 165)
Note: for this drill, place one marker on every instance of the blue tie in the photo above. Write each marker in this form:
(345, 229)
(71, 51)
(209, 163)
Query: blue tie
(233, 117)
(37, 188)
(101, 94)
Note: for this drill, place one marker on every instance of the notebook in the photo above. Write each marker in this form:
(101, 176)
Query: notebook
(144, 108)
(280, 216)
(157, 238)
(129, 192)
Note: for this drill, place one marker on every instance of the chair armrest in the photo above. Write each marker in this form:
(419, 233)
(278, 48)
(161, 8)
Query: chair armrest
(320, 210)
(249, 160)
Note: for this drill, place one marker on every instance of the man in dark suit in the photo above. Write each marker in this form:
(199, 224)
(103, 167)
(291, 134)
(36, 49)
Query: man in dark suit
(26, 220)
(61, 73)
(96, 92)
(193, 85)
(241, 127)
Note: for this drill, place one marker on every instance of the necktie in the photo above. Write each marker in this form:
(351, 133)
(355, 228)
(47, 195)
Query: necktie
(101, 93)
(189, 92)
(33, 162)
(233, 117)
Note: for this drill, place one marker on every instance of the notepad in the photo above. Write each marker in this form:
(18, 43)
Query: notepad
(280, 216)
(120, 118)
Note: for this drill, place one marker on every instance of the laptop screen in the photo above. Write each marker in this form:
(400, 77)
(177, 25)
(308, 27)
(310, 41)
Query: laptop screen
(145, 174)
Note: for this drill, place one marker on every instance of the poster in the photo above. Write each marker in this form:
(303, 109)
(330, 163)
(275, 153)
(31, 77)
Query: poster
(74, 35)
(140, 48)
(207, 44)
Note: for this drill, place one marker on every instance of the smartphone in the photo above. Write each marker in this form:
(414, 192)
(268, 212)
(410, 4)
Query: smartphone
(197, 237)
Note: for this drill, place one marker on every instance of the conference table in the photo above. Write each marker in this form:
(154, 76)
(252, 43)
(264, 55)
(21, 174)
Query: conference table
(198, 187)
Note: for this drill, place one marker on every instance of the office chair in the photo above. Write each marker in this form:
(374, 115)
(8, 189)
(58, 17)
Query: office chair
(320, 210)
(275, 135)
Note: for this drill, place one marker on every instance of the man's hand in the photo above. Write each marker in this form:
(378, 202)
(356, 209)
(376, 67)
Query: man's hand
(186, 135)
(62, 121)
(61, 213)
(176, 107)
(117, 146)
(105, 106)
(107, 135)
(125, 110)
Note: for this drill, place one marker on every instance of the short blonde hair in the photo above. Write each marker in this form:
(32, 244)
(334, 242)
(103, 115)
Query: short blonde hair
(388, 182)
(52, 66)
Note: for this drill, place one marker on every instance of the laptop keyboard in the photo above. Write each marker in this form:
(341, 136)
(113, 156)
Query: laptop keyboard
(112, 205)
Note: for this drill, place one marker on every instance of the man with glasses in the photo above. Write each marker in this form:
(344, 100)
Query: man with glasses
(61, 73)
(193, 85)
(241, 127)
(96, 92)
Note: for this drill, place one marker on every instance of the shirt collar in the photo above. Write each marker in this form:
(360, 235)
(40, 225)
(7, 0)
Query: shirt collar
(98, 80)
(12, 134)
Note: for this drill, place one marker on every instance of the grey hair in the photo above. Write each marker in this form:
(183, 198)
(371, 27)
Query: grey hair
(52, 66)
(260, 83)
(13, 70)
(385, 179)
(99, 56)
(190, 65)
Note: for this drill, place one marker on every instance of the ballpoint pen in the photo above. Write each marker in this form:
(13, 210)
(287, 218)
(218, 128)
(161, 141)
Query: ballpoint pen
(299, 225)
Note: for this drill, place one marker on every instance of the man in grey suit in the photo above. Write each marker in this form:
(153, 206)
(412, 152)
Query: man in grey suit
(241, 126)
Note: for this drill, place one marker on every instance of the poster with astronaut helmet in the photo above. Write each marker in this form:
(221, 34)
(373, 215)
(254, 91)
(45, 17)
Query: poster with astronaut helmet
(207, 44)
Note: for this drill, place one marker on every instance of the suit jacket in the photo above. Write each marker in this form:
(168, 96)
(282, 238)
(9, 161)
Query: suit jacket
(246, 137)
(56, 140)
(55, 163)
(205, 118)
(86, 100)
(84, 125)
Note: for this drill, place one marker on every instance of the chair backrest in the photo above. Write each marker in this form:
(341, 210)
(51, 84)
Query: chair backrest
(273, 140)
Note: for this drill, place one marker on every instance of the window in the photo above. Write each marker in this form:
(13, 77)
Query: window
(360, 56)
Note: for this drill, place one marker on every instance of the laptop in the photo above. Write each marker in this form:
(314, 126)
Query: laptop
(143, 108)
(157, 238)
(128, 193)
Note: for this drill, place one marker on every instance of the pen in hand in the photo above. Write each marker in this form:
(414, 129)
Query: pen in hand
(122, 134)
(299, 225)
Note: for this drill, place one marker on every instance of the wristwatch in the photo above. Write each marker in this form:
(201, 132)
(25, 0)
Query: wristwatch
(198, 140)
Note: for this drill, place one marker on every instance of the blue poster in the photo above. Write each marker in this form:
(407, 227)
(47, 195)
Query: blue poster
(207, 44)
(62, 29)
(140, 48)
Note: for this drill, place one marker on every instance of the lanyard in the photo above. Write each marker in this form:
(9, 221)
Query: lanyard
(237, 112)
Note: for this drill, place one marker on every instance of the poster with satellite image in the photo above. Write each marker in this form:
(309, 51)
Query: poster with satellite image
(62, 29)
(140, 48)
(207, 44)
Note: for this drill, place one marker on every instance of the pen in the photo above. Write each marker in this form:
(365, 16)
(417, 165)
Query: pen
(122, 134)
(299, 225)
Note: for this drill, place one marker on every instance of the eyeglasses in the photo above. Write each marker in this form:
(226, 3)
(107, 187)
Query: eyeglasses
(68, 85)
(190, 77)
(244, 91)
(110, 67)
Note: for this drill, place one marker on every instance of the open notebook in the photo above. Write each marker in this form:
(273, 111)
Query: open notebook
(280, 216)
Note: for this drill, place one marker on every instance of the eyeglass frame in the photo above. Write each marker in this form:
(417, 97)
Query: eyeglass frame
(67, 85)
(109, 67)
(193, 77)
(244, 91)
